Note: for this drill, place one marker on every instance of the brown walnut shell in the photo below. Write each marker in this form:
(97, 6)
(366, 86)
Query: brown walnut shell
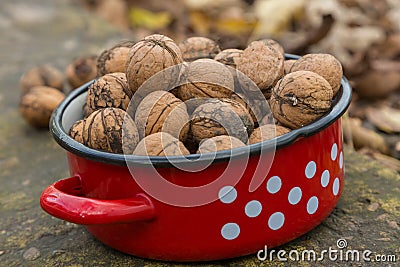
(162, 111)
(37, 105)
(81, 71)
(266, 132)
(149, 56)
(114, 59)
(45, 75)
(76, 131)
(325, 65)
(221, 117)
(288, 64)
(206, 78)
(300, 98)
(110, 90)
(194, 48)
(263, 64)
(275, 45)
(110, 130)
(217, 143)
(160, 144)
(229, 57)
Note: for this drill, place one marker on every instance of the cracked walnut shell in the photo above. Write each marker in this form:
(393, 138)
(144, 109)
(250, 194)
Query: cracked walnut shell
(194, 48)
(229, 57)
(110, 90)
(149, 56)
(217, 143)
(263, 64)
(160, 144)
(37, 105)
(221, 117)
(114, 59)
(325, 65)
(162, 111)
(108, 129)
(300, 98)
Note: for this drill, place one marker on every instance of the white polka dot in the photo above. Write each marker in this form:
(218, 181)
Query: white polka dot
(230, 231)
(274, 184)
(276, 220)
(334, 151)
(312, 205)
(311, 169)
(294, 195)
(325, 178)
(227, 194)
(336, 185)
(253, 208)
(341, 159)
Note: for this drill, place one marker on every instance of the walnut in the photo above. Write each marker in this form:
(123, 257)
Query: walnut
(76, 131)
(149, 56)
(221, 117)
(287, 65)
(263, 64)
(114, 59)
(300, 98)
(162, 111)
(275, 45)
(325, 65)
(160, 144)
(110, 90)
(229, 57)
(267, 131)
(81, 71)
(45, 75)
(256, 107)
(110, 130)
(38, 103)
(206, 78)
(194, 48)
(216, 143)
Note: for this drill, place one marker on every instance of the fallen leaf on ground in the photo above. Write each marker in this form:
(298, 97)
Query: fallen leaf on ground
(385, 119)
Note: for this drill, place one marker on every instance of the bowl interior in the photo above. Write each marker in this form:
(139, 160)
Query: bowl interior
(73, 112)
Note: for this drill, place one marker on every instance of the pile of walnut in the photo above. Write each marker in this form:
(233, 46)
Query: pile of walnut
(200, 117)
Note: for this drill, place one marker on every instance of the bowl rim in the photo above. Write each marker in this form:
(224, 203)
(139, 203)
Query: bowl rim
(343, 99)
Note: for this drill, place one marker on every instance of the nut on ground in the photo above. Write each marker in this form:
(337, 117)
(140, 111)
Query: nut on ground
(38, 103)
(45, 75)
(81, 70)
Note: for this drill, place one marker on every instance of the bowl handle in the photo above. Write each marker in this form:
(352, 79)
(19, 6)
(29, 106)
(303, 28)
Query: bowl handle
(63, 200)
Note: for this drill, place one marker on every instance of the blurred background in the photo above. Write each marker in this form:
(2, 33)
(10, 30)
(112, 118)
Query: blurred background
(364, 35)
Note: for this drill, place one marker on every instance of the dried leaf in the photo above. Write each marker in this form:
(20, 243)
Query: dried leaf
(385, 119)
(376, 83)
(388, 161)
(140, 17)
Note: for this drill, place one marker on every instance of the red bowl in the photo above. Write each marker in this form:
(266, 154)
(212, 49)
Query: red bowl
(297, 192)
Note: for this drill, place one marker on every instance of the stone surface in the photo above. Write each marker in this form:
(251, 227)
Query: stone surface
(41, 31)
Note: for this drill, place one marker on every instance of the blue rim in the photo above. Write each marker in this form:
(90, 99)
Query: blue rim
(342, 100)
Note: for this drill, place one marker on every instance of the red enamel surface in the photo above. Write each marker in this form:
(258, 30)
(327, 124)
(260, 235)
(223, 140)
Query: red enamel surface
(161, 231)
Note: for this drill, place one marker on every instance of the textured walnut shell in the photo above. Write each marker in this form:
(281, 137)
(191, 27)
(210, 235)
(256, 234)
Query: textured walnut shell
(275, 45)
(287, 65)
(81, 71)
(194, 48)
(114, 59)
(325, 65)
(221, 142)
(160, 144)
(263, 64)
(37, 105)
(221, 117)
(255, 107)
(229, 57)
(206, 78)
(111, 130)
(45, 75)
(162, 111)
(149, 56)
(76, 131)
(300, 98)
(110, 90)
(266, 132)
